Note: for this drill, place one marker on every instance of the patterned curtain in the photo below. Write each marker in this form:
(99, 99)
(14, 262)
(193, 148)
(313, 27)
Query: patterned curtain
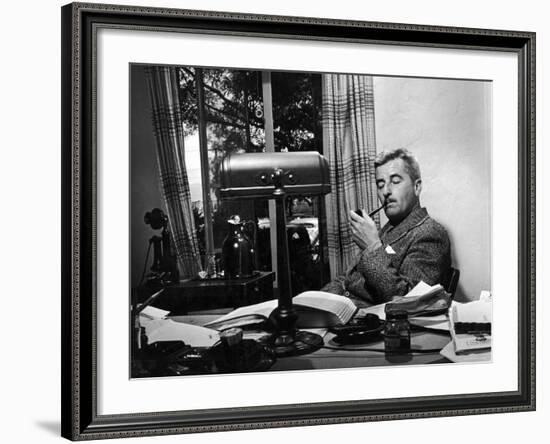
(349, 144)
(174, 183)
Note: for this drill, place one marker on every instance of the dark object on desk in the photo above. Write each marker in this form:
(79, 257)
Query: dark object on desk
(359, 330)
(275, 176)
(206, 294)
(235, 355)
(170, 358)
(472, 327)
(397, 332)
(175, 358)
(289, 341)
(237, 251)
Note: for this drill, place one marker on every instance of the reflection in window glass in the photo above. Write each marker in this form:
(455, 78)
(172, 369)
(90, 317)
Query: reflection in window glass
(297, 100)
(234, 122)
(234, 114)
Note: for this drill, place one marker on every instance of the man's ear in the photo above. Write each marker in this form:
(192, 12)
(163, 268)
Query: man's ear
(417, 187)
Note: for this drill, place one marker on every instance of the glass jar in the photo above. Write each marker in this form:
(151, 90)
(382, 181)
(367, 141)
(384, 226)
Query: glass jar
(397, 332)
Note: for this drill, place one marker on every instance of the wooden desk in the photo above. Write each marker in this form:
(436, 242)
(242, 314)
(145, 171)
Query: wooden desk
(344, 358)
(197, 294)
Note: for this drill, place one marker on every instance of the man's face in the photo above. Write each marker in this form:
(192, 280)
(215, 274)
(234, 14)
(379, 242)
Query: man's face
(397, 189)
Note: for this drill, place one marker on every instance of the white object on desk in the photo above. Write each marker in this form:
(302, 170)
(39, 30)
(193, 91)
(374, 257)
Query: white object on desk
(150, 313)
(438, 322)
(476, 312)
(167, 330)
(474, 356)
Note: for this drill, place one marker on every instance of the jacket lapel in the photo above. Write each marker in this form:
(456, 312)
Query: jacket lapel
(391, 234)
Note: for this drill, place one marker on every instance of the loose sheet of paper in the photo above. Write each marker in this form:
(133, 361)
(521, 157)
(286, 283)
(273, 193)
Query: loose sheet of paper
(168, 330)
(474, 356)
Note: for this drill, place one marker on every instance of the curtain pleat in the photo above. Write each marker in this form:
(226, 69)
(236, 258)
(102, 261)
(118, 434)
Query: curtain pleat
(349, 144)
(174, 183)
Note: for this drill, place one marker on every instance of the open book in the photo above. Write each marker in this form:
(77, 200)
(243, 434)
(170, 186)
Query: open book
(315, 309)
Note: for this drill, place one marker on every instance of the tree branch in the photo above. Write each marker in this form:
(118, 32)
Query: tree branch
(224, 115)
(215, 119)
(234, 105)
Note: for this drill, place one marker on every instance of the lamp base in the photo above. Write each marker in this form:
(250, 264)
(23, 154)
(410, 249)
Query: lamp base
(301, 343)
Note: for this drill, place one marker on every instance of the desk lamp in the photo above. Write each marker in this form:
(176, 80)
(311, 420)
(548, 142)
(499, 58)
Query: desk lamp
(275, 176)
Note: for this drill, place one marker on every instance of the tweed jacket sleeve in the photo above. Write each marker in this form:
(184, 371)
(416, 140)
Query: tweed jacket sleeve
(418, 249)
(422, 254)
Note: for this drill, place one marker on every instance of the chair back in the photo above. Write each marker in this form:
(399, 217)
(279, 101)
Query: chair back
(452, 283)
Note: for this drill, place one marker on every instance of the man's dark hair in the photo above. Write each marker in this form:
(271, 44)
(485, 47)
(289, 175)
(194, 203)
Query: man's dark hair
(411, 164)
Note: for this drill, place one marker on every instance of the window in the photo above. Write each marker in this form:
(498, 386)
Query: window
(229, 110)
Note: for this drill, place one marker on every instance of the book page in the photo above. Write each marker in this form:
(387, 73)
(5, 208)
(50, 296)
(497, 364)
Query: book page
(341, 306)
(263, 309)
(419, 289)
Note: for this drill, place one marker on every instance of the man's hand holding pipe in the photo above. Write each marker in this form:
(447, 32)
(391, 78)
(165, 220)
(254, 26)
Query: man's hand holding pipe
(364, 231)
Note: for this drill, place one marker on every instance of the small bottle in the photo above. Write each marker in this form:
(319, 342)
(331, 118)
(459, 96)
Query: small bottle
(397, 332)
(232, 345)
(237, 251)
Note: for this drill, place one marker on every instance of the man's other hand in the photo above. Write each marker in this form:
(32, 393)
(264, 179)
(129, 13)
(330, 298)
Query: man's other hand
(364, 231)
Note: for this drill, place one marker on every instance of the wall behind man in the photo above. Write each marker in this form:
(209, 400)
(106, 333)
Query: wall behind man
(447, 125)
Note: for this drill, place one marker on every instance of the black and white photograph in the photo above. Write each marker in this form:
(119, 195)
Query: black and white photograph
(273, 221)
(289, 220)
(301, 222)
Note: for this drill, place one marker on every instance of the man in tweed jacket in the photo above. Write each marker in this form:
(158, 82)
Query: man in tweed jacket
(411, 247)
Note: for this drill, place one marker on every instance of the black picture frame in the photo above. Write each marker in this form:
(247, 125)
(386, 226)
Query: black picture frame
(79, 168)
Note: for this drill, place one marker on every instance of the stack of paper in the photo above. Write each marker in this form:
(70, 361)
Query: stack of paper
(466, 345)
(437, 322)
(472, 356)
(471, 326)
(159, 329)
